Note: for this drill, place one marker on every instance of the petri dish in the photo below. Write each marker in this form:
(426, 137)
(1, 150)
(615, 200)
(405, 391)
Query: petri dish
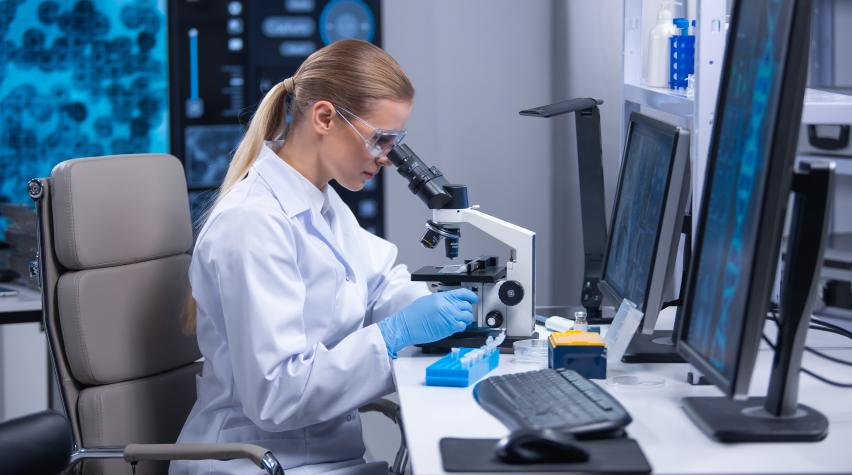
(636, 381)
(531, 351)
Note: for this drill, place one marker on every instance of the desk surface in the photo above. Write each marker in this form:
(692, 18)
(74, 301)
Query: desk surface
(670, 440)
(23, 307)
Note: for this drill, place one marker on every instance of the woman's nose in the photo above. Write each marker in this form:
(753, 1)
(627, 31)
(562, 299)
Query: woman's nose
(383, 161)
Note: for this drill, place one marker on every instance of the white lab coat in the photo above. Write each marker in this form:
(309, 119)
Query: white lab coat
(287, 305)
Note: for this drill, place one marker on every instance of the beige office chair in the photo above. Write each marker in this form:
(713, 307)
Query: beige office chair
(114, 243)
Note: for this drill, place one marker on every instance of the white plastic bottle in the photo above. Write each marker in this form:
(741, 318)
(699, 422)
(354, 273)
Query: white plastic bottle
(657, 59)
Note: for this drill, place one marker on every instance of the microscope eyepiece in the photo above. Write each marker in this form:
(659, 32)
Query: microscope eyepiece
(425, 182)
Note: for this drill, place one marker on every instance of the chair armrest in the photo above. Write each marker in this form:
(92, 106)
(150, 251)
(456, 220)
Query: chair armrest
(260, 456)
(387, 407)
(392, 411)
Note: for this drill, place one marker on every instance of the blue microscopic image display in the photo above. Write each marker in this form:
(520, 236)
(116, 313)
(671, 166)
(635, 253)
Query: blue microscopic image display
(724, 260)
(79, 79)
(637, 214)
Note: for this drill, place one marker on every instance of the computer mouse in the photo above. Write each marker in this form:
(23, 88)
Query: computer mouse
(540, 446)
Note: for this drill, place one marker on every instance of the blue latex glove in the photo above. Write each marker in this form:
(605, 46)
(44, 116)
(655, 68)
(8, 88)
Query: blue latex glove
(428, 319)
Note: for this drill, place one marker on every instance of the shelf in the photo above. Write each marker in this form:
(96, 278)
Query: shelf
(662, 99)
(842, 166)
(823, 107)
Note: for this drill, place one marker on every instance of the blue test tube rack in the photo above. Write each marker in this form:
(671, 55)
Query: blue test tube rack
(448, 371)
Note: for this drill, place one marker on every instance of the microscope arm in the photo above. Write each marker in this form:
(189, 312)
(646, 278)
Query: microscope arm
(520, 266)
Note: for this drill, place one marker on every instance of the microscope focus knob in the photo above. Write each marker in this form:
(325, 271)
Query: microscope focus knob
(511, 292)
(494, 319)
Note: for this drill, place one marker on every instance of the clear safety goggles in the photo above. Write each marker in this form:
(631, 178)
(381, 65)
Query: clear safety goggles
(381, 141)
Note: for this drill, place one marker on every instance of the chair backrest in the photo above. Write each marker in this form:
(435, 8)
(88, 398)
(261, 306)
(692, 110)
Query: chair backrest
(115, 236)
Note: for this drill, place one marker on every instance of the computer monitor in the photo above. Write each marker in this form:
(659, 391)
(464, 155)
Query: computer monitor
(747, 182)
(647, 217)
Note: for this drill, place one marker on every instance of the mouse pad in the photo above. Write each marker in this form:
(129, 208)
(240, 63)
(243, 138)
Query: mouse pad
(621, 456)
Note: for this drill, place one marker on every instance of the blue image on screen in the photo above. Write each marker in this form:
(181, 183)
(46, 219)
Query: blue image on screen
(78, 79)
(738, 183)
(636, 218)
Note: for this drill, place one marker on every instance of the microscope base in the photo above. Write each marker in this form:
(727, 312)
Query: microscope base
(471, 339)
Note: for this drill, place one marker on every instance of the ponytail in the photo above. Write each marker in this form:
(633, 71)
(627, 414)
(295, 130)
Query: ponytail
(267, 123)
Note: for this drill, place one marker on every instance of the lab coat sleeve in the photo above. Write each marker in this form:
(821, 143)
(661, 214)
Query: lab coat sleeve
(389, 284)
(283, 382)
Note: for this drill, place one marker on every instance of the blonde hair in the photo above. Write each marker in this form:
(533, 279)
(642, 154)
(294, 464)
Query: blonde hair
(352, 74)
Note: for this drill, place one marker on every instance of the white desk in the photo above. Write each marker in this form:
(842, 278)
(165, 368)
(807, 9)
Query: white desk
(25, 307)
(671, 441)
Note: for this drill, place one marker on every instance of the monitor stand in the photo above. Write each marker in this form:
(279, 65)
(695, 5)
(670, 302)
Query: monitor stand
(659, 347)
(778, 417)
(655, 348)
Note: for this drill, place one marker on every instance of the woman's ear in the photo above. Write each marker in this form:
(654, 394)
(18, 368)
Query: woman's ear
(322, 113)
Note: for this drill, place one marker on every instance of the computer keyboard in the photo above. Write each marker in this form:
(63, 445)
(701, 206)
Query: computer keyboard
(559, 399)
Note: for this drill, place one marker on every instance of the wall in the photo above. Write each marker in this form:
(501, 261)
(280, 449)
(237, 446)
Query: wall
(842, 222)
(842, 36)
(475, 64)
(587, 62)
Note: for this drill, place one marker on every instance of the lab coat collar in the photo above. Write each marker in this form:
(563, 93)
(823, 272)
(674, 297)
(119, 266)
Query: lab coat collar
(296, 194)
(293, 191)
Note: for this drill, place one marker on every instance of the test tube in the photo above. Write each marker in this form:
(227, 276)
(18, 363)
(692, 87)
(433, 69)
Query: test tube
(456, 352)
(500, 338)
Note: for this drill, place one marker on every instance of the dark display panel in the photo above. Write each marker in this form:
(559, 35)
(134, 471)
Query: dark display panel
(638, 213)
(226, 54)
(741, 172)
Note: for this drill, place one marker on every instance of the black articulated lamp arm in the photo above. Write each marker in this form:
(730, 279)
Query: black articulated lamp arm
(813, 187)
(563, 107)
(592, 206)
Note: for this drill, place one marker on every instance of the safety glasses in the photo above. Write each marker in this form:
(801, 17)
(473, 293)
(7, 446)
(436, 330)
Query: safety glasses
(381, 141)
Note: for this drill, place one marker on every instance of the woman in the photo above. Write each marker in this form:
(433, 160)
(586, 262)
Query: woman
(298, 309)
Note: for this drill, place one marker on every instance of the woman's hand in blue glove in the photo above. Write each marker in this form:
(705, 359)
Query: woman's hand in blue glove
(429, 319)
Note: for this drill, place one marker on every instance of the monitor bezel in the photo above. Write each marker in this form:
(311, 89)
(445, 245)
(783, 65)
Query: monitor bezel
(679, 155)
(772, 208)
(669, 235)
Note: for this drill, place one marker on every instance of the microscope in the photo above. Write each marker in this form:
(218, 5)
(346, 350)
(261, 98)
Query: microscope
(506, 293)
